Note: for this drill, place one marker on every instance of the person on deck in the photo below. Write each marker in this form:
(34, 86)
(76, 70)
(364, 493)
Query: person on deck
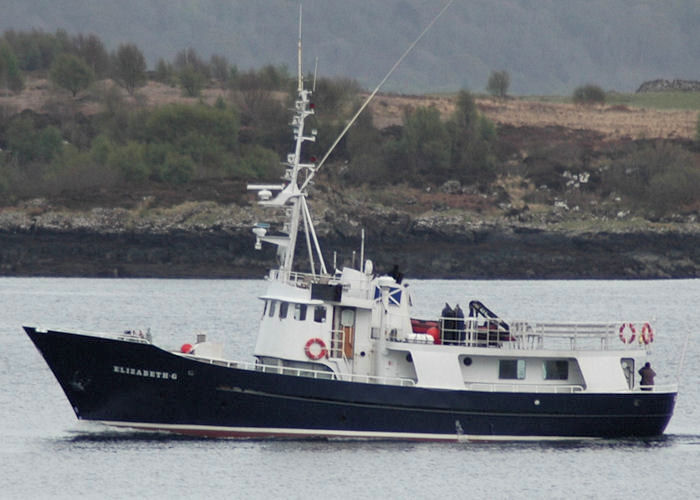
(647, 374)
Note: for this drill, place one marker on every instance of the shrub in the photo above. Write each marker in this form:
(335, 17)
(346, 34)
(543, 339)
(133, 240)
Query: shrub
(177, 169)
(662, 177)
(258, 162)
(589, 94)
(129, 160)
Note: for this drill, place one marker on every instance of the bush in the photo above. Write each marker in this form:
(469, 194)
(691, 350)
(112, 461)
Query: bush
(661, 178)
(178, 124)
(258, 162)
(589, 94)
(177, 169)
(129, 160)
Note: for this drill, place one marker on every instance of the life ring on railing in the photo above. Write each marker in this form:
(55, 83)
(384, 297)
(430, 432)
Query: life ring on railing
(647, 334)
(310, 354)
(632, 336)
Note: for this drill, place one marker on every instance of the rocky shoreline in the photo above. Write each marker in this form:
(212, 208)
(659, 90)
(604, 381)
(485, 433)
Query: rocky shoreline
(207, 240)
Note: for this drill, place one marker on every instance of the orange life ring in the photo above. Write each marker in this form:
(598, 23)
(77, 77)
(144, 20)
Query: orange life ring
(647, 335)
(631, 338)
(321, 354)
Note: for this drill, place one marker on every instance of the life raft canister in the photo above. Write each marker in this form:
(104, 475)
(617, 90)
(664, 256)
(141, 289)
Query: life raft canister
(633, 334)
(647, 334)
(322, 353)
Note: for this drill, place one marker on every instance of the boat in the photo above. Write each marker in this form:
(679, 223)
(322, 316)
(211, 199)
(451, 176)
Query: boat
(339, 355)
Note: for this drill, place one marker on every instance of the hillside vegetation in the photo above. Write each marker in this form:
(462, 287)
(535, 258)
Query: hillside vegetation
(78, 123)
(548, 47)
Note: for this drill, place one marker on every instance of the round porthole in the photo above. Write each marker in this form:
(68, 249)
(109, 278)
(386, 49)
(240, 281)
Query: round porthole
(362, 354)
(467, 361)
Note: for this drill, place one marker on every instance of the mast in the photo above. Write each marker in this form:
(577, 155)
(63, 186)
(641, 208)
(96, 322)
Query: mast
(290, 195)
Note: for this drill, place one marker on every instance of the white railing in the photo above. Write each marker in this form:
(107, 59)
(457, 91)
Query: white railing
(536, 388)
(581, 336)
(302, 372)
(526, 335)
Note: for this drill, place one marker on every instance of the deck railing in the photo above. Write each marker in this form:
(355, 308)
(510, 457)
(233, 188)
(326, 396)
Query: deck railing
(527, 335)
(303, 372)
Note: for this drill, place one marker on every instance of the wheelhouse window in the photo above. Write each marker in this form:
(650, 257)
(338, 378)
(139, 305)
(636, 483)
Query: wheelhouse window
(320, 314)
(557, 369)
(284, 308)
(511, 369)
(271, 310)
(300, 312)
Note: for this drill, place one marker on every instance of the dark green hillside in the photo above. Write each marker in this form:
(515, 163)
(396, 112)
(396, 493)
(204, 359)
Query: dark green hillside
(548, 47)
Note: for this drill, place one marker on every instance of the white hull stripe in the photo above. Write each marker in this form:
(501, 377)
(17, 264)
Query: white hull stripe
(271, 432)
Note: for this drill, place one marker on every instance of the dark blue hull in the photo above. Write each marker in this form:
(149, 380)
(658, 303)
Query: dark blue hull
(142, 386)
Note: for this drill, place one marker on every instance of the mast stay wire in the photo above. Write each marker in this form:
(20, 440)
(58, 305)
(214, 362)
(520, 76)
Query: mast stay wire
(374, 92)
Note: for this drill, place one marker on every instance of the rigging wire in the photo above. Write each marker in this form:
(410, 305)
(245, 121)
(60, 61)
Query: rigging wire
(374, 92)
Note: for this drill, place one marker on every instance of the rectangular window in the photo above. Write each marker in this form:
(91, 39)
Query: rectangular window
(511, 369)
(271, 311)
(320, 314)
(555, 369)
(300, 312)
(284, 307)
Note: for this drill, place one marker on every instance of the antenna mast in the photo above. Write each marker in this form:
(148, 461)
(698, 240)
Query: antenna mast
(300, 84)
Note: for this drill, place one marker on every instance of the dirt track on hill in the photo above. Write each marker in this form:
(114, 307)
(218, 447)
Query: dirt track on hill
(615, 122)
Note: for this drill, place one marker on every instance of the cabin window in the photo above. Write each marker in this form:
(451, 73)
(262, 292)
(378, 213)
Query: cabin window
(300, 312)
(271, 311)
(284, 308)
(320, 314)
(555, 369)
(512, 369)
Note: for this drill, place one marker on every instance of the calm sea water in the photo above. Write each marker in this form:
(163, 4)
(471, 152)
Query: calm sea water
(45, 452)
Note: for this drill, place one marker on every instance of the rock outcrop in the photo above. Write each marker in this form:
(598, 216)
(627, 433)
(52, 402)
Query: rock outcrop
(669, 85)
(212, 241)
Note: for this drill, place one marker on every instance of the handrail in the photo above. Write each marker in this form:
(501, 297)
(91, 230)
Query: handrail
(536, 388)
(302, 372)
(527, 335)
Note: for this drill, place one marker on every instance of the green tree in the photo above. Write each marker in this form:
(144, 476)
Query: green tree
(71, 73)
(220, 68)
(191, 81)
(424, 153)
(165, 73)
(498, 83)
(93, 51)
(10, 75)
(129, 67)
(28, 143)
(471, 142)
